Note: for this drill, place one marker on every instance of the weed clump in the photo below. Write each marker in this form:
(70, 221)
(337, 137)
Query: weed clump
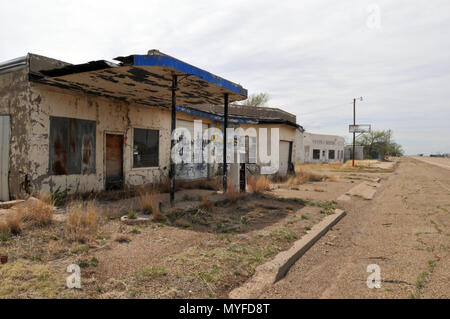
(81, 222)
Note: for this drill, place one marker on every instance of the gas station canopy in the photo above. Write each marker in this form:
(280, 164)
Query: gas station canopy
(144, 79)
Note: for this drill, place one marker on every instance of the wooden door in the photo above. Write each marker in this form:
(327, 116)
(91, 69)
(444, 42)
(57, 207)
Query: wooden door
(114, 161)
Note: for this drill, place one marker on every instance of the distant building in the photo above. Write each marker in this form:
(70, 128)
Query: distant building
(359, 152)
(318, 148)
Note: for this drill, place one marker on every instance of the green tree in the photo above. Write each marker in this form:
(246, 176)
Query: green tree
(259, 99)
(379, 144)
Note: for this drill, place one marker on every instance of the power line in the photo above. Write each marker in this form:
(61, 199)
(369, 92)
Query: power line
(327, 109)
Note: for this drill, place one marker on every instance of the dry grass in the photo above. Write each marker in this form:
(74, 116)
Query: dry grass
(81, 222)
(5, 231)
(259, 184)
(208, 184)
(149, 202)
(123, 238)
(46, 198)
(33, 212)
(206, 204)
(304, 176)
(232, 194)
(15, 223)
(338, 166)
(37, 212)
(164, 186)
(24, 279)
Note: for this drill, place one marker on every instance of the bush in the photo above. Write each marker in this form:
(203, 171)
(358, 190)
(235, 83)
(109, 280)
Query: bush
(259, 184)
(149, 203)
(81, 222)
(14, 222)
(5, 231)
(37, 212)
(206, 204)
(232, 194)
(303, 176)
(59, 197)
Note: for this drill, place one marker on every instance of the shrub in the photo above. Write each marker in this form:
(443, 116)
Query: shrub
(303, 176)
(81, 222)
(14, 222)
(259, 184)
(232, 194)
(36, 212)
(206, 204)
(5, 231)
(46, 198)
(132, 215)
(149, 202)
(59, 197)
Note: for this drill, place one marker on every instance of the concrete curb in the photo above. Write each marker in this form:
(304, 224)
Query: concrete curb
(269, 273)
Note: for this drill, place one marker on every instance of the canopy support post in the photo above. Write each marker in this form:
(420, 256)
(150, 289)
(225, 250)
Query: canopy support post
(172, 141)
(225, 126)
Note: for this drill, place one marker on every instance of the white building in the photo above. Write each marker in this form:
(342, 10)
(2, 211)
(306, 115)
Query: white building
(318, 148)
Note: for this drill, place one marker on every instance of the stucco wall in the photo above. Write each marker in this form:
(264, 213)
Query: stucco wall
(111, 116)
(286, 133)
(14, 101)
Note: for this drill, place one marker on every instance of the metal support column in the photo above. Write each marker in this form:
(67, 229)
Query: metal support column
(225, 126)
(172, 141)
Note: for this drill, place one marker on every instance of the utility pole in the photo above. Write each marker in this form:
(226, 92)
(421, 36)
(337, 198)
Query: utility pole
(354, 133)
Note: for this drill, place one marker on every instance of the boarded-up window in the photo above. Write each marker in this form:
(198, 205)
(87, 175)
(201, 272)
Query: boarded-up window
(72, 146)
(145, 148)
(316, 154)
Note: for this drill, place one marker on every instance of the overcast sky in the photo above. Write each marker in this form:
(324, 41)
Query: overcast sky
(312, 57)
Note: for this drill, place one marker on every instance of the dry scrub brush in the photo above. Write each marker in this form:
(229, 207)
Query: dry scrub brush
(232, 194)
(81, 222)
(259, 184)
(206, 204)
(33, 212)
(37, 212)
(302, 177)
(149, 202)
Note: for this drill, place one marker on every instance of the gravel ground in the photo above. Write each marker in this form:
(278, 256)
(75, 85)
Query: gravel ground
(405, 230)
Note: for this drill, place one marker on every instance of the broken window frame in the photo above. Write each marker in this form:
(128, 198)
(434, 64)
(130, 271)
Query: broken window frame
(314, 154)
(146, 163)
(72, 146)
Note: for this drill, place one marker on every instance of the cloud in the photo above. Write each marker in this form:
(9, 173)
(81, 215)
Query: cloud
(312, 57)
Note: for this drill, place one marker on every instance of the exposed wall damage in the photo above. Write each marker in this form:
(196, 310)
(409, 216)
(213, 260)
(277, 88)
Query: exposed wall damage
(59, 133)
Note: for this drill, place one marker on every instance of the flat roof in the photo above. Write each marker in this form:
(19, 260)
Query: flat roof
(144, 79)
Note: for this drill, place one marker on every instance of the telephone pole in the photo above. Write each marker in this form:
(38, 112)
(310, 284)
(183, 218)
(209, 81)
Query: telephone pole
(354, 133)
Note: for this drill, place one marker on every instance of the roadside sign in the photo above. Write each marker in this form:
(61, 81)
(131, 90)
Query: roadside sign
(360, 128)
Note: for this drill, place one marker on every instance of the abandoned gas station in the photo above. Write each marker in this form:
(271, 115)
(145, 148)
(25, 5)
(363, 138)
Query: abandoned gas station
(100, 125)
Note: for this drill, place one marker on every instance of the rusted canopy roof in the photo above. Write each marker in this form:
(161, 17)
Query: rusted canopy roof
(144, 79)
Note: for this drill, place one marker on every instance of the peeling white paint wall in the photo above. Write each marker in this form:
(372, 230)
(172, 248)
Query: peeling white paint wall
(111, 116)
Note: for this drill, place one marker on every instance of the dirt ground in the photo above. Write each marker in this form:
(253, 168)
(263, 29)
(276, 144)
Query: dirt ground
(197, 253)
(405, 230)
(193, 253)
